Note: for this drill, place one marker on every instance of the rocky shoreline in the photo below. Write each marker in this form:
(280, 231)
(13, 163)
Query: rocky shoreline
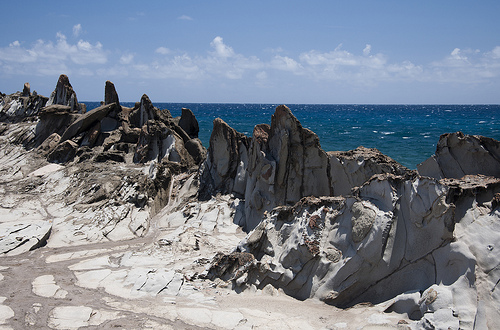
(119, 217)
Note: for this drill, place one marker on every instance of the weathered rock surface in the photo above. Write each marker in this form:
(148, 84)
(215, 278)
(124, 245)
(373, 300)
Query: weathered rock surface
(281, 164)
(458, 154)
(21, 106)
(65, 95)
(379, 232)
(123, 230)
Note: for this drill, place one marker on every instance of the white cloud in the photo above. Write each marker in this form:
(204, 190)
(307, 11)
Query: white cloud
(286, 63)
(221, 64)
(162, 50)
(77, 29)
(47, 57)
(185, 18)
(367, 50)
(221, 49)
(126, 59)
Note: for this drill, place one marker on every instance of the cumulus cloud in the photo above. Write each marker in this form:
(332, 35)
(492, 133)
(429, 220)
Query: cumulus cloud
(221, 63)
(221, 49)
(126, 59)
(77, 29)
(47, 57)
(466, 66)
(162, 50)
(367, 50)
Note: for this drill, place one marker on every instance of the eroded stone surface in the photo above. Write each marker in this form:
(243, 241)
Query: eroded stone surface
(156, 244)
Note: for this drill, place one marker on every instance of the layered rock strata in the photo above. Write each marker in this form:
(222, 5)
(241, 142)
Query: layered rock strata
(282, 163)
(125, 214)
(21, 106)
(353, 227)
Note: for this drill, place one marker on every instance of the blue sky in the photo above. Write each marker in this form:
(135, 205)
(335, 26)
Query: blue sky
(257, 51)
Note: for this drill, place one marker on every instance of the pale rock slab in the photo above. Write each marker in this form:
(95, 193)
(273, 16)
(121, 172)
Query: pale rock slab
(45, 286)
(74, 317)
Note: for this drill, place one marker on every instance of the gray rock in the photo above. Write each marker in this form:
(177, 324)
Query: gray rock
(458, 154)
(86, 120)
(64, 94)
(64, 152)
(54, 119)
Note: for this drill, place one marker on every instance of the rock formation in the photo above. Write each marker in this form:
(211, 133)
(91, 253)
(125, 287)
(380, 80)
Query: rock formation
(458, 154)
(21, 106)
(65, 95)
(126, 205)
(354, 227)
(283, 163)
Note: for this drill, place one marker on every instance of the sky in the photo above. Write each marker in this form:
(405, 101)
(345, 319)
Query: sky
(334, 52)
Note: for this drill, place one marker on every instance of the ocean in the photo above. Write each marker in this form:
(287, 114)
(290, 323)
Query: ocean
(406, 133)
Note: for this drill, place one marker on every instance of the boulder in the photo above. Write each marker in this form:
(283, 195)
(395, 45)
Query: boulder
(189, 123)
(64, 152)
(86, 120)
(458, 154)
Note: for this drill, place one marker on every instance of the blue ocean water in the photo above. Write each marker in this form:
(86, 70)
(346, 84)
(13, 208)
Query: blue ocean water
(406, 133)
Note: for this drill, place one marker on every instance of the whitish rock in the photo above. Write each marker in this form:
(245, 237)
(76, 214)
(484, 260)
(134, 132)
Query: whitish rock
(45, 286)
(19, 237)
(74, 317)
(281, 164)
(458, 154)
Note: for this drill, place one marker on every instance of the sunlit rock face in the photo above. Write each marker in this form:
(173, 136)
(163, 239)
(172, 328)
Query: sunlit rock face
(282, 163)
(458, 154)
(128, 205)
(353, 227)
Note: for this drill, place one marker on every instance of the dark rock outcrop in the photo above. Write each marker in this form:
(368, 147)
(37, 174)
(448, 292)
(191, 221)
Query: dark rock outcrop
(65, 95)
(110, 94)
(189, 123)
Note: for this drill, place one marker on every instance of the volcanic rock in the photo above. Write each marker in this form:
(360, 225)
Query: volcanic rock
(110, 94)
(26, 90)
(65, 95)
(189, 123)
(21, 106)
(458, 154)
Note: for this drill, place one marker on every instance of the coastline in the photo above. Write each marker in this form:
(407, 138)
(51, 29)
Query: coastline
(129, 220)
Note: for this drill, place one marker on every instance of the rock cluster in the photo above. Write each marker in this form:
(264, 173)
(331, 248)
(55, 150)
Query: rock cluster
(268, 217)
(353, 227)
(21, 106)
(283, 163)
